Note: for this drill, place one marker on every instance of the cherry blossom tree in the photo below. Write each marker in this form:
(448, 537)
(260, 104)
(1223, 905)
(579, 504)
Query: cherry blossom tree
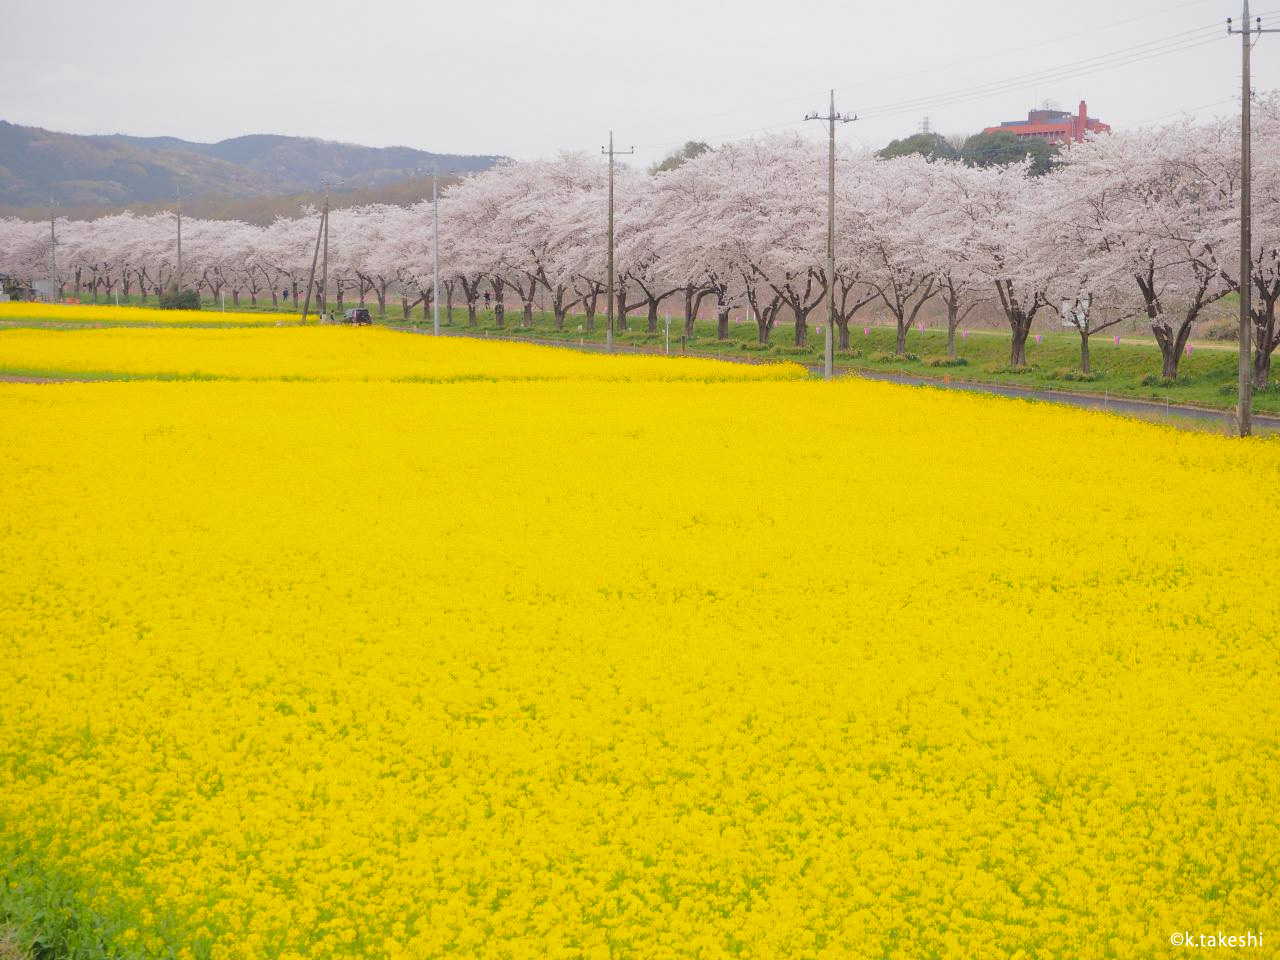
(890, 213)
(1170, 197)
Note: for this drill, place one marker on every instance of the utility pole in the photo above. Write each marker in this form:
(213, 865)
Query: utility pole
(179, 196)
(311, 277)
(322, 299)
(53, 252)
(611, 154)
(831, 119)
(435, 250)
(1248, 31)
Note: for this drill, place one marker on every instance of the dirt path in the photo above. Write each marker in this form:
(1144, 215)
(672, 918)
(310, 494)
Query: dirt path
(9, 378)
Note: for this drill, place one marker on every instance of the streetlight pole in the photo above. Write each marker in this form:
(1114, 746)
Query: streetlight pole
(831, 119)
(611, 154)
(435, 250)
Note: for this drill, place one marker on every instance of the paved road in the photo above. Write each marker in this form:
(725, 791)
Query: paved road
(1174, 414)
(1143, 409)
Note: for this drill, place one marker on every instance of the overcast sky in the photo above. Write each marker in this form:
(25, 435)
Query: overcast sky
(532, 78)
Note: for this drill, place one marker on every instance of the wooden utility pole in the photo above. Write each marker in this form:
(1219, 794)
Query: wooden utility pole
(611, 153)
(53, 252)
(323, 297)
(179, 196)
(1244, 403)
(311, 277)
(435, 253)
(831, 119)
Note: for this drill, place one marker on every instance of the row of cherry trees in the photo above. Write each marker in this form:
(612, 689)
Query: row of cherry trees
(1135, 224)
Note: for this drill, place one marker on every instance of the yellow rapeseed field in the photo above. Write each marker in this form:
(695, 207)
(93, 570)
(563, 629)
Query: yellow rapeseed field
(338, 353)
(636, 669)
(109, 313)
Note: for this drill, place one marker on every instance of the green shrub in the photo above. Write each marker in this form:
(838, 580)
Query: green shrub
(1012, 371)
(793, 351)
(1223, 330)
(849, 355)
(173, 299)
(752, 345)
(1155, 380)
(1232, 389)
(1068, 373)
(887, 357)
(946, 362)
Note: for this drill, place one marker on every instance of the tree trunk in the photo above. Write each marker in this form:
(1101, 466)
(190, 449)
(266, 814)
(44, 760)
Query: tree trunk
(1018, 346)
(404, 307)
(527, 319)
(842, 325)
(499, 307)
(900, 345)
(653, 315)
(1172, 343)
(1264, 340)
(722, 319)
(690, 311)
(1084, 353)
(953, 321)
(802, 331)
(620, 308)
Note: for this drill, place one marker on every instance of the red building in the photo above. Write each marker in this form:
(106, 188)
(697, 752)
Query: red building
(1053, 126)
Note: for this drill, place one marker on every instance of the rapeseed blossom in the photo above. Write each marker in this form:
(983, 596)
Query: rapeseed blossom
(641, 669)
(126, 313)
(340, 353)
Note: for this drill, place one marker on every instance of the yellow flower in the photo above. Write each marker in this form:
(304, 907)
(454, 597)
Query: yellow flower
(556, 655)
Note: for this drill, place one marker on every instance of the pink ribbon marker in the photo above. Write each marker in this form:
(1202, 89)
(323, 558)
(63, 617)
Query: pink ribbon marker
(1188, 349)
(866, 331)
(1037, 338)
(1117, 339)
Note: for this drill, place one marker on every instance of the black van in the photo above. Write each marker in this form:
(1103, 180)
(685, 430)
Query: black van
(359, 316)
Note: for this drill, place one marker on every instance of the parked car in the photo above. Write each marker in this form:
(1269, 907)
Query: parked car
(358, 316)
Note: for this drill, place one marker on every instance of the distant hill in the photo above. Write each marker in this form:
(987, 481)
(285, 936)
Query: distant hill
(115, 171)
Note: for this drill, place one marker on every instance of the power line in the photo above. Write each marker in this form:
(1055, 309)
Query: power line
(1055, 40)
(1174, 113)
(886, 78)
(1125, 56)
(687, 122)
(1178, 42)
(1119, 58)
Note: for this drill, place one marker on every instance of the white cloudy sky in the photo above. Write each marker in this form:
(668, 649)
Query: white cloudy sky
(531, 78)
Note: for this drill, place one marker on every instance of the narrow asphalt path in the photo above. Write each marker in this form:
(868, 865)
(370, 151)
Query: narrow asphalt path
(1174, 414)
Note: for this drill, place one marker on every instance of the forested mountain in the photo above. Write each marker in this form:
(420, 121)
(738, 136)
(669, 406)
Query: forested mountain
(119, 170)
